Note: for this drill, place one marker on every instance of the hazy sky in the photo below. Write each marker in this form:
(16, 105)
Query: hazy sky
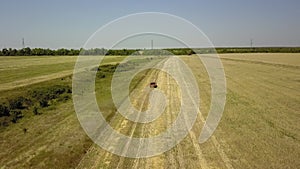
(57, 23)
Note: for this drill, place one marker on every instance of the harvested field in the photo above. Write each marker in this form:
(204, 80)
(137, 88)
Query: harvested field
(259, 127)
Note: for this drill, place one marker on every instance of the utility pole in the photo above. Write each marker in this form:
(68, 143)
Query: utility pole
(23, 43)
(251, 43)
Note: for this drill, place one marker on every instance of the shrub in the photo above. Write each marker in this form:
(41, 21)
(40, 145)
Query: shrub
(49, 93)
(16, 115)
(35, 111)
(4, 111)
(44, 103)
(101, 75)
(64, 97)
(17, 103)
(107, 68)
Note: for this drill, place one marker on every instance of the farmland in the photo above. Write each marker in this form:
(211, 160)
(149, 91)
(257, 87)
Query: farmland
(259, 128)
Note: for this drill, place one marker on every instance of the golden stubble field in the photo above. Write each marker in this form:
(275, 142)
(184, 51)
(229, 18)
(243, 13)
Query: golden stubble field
(259, 128)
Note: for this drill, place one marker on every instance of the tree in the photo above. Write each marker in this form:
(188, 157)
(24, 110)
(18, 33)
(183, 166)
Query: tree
(27, 51)
(5, 52)
(38, 51)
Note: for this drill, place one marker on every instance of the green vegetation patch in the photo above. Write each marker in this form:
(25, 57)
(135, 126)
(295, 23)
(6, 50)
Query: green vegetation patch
(16, 107)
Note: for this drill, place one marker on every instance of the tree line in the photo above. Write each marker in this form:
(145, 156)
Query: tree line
(63, 52)
(38, 52)
(260, 50)
(97, 51)
(174, 51)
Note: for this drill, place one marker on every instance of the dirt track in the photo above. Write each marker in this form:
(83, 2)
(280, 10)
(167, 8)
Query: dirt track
(187, 154)
(34, 80)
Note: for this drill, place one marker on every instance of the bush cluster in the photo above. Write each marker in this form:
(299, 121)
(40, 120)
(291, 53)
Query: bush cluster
(14, 108)
(44, 95)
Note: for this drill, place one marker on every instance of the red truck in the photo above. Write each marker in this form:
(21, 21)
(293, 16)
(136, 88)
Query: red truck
(153, 85)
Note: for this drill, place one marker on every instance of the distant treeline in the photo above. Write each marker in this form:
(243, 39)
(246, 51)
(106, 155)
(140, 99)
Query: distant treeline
(260, 50)
(71, 52)
(175, 51)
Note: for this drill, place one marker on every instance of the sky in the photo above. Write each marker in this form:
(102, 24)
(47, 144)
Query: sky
(69, 24)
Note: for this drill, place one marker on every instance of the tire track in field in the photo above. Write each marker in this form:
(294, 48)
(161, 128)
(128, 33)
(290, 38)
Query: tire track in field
(178, 159)
(134, 126)
(174, 158)
(160, 77)
(105, 156)
(144, 162)
(139, 94)
(217, 145)
(121, 124)
(144, 133)
(192, 135)
(134, 163)
(174, 155)
(95, 147)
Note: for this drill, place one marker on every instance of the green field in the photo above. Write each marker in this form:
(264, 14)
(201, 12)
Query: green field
(259, 128)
